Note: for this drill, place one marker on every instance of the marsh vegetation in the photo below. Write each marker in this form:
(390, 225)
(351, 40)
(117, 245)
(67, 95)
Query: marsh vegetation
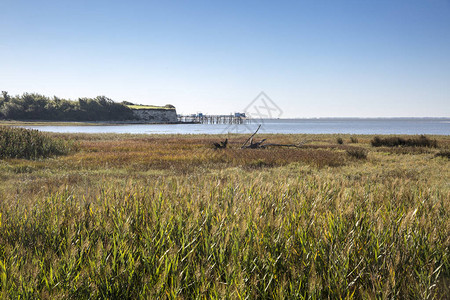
(29, 144)
(139, 216)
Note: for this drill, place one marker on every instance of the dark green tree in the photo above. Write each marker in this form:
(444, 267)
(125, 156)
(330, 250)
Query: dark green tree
(38, 107)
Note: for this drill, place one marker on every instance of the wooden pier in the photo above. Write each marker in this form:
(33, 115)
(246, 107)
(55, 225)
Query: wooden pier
(213, 119)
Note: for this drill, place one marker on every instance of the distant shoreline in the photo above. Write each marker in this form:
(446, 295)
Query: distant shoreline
(408, 126)
(136, 122)
(77, 123)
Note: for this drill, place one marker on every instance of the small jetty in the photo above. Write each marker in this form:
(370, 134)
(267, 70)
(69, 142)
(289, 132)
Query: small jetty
(237, 118)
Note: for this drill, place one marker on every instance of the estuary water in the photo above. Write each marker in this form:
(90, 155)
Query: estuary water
(438, 126)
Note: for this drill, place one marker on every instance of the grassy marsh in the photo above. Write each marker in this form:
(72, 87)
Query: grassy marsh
(138, 216)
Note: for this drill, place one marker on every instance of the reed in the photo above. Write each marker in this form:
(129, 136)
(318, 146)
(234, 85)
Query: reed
(30, 144)
(169, 217)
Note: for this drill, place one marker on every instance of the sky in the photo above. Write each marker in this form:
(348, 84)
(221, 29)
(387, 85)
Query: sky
(321, 58)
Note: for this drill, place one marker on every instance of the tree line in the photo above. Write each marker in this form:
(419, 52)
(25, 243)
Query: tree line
(31, 106)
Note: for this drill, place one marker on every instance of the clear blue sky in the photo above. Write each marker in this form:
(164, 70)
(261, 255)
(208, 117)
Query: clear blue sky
(325, 58)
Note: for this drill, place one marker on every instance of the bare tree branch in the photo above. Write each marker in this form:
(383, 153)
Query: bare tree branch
(243, 146)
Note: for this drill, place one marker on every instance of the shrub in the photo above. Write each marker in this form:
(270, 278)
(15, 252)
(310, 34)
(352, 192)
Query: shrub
(29, 144)
(353, 140)
(421, 141)
(339, 140)
(357, 153)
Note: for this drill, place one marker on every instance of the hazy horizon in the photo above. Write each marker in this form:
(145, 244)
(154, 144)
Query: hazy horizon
(350, 59)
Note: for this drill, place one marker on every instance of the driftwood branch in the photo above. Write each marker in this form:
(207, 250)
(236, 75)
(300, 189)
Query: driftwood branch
(256, 145)
(251, 138)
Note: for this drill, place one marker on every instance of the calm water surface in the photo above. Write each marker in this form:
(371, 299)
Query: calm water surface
(439, 126)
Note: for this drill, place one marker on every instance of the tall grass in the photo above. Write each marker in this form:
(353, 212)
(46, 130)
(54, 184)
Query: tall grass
(30, 144)
(297, 230)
